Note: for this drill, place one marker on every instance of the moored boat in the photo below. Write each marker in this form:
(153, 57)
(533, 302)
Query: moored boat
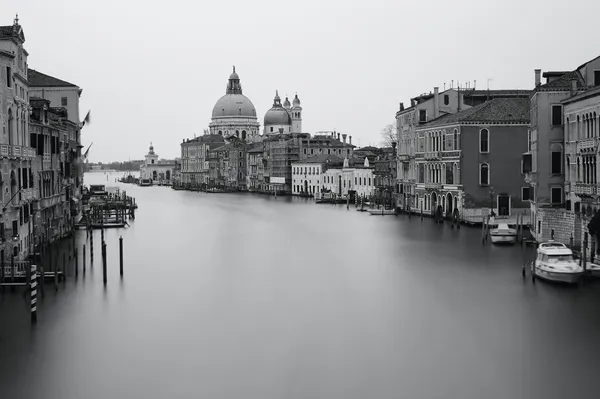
(555, 262)
(382, 212)
(503, 234)
(145, 182)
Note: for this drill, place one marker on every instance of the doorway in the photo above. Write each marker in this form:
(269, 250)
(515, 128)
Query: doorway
(503, 205)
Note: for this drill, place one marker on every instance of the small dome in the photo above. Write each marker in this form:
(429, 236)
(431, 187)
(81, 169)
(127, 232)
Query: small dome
(296, 100)
(286, 103)
(277, 116)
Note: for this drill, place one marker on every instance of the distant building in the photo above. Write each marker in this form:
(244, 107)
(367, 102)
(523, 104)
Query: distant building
(155, 170)
(470, 161)
(307, 174)
(255, 167)
(286, 118)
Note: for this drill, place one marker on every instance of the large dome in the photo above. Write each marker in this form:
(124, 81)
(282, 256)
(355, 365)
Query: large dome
(234, 105)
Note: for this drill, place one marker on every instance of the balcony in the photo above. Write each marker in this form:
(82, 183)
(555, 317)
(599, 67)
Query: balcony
(584, 189)
(587, 145)
(433, 186)
(433, 155)
(404, 157)
(16, 151)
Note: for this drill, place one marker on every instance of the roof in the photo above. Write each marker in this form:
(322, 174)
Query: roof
(584, 64)
(38, 79)
(323, 158)
(7, 54)
(562, 83)
(593, 92)
(257, 148)
(497, 93)
(14, 30)
(498, 110)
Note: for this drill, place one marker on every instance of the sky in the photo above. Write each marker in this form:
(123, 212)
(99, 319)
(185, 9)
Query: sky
(151, 71)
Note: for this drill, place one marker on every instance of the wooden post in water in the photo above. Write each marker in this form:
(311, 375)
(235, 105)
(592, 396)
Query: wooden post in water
(104, 263)
(76, 263)
(64, 268)
(121, 255)
(55, 269)
(2, 274)
(83, 258)
(584, 253)
(33, 287)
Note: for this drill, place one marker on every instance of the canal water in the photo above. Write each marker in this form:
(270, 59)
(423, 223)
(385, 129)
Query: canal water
(250, 296)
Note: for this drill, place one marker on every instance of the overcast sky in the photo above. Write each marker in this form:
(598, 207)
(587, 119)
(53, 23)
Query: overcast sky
(151, 71)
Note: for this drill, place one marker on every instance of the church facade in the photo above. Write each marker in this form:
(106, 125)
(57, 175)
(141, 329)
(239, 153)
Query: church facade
(159, 171)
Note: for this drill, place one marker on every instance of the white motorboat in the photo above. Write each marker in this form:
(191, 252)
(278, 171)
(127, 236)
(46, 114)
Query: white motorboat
(594, 269)
(145, 182)
(503, 234)
(555, 262)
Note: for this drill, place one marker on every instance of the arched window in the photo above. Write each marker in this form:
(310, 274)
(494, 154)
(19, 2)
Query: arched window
(484, 141)
(484, 174)
(446, 99)
(455, 174)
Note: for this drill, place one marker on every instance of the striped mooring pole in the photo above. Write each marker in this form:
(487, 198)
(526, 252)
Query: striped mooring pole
(33, 285)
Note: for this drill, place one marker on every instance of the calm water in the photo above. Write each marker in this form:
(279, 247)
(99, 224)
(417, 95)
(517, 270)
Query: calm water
(247, 296)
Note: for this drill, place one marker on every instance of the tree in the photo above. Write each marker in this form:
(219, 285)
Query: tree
(389, 135)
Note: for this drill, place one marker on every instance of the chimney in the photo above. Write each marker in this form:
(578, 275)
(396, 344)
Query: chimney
(573, 87)
(412, 102)
(538, 77)
(401, 106)
(350, 140)
(338, 137)
(436, 104)
(344, 137)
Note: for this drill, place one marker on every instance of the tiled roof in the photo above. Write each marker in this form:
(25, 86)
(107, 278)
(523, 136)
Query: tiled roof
(323, 158)
(498, 110)
(38, 79)
(593, 92)
(8, 31)
(563, 82)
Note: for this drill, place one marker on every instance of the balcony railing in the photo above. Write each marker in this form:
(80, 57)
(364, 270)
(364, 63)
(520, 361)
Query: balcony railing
(16, 151)
(433, 155)
(404, 157)
(584, 189)
(433, 186)
(587, 145)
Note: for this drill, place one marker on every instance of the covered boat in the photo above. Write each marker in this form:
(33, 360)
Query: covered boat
(555, 262)
(503, 234)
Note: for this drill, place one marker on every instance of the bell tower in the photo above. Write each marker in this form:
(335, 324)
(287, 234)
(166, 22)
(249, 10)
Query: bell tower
(296, 113)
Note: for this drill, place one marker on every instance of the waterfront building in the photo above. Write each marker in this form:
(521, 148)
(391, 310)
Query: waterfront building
(470, 161)
(229, 160)
(17, 192)
(234, 114)
(159, 171)
(575, 96)
(255, 166)
(544, 161)
(351, 177)
(423, 109)
(194, 158)
(57, 169)
(307, 174)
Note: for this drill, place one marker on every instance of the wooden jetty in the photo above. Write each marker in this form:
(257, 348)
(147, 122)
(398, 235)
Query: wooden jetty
(108, 211)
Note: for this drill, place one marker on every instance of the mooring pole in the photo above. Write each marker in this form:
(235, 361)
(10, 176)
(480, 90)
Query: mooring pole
(121, 255)
(76, 263)
(83, 258)
(104, 263)
(33, 286)
(64, 268)
(91, 246)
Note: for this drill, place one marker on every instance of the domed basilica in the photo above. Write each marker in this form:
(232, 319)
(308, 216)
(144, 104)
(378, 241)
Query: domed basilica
(235, 115)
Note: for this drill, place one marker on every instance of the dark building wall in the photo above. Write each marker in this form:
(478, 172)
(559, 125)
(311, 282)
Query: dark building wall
(506, 145)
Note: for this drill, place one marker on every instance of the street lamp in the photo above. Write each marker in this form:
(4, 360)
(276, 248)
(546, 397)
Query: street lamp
(491, 193)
